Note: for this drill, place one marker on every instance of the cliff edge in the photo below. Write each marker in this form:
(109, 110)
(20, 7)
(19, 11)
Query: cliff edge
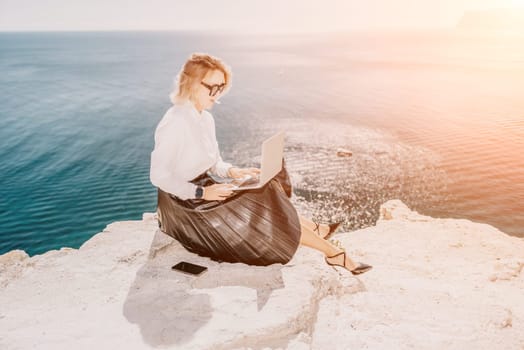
(436, 284)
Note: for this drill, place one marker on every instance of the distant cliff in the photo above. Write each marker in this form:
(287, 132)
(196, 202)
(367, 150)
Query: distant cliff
(499, 20)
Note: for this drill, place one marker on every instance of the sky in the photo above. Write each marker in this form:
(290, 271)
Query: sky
(240, 16)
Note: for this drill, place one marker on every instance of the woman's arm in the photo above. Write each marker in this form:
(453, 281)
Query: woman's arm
(220, 168)
(225, 169)
(167, 153)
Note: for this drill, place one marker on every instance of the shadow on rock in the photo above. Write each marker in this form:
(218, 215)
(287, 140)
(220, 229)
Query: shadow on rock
(170, 306)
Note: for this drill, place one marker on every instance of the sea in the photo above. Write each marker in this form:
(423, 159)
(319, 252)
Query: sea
(433, 118)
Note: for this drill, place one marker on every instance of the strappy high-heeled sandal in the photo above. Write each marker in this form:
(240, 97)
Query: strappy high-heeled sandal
(332, 228)
(361, 268)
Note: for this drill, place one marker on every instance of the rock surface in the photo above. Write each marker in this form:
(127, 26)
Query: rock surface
(436, 284)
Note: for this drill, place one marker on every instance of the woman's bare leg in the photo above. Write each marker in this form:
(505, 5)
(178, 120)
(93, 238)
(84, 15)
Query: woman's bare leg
(324, 229)
(310, 239)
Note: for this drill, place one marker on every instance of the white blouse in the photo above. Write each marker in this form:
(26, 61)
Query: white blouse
(185, 147)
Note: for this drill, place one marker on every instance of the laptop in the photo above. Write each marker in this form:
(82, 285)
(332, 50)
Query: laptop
(270, 164)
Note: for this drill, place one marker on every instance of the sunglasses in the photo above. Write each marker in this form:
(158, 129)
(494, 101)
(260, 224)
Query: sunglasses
(214, 89)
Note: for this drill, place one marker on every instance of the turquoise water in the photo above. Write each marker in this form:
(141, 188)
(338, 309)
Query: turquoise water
(434, 120)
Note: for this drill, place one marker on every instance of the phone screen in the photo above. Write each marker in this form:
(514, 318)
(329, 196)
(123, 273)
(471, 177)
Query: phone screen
(189, 268)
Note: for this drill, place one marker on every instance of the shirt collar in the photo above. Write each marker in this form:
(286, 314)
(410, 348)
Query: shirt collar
(191, 105)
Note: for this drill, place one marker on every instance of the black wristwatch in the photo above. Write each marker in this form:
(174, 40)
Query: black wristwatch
(199, 193)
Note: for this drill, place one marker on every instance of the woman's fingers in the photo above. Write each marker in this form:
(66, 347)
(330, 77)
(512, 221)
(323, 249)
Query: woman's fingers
(226, 190)
(218, 191)
(250, 171)
(239, 173)
(254, 172)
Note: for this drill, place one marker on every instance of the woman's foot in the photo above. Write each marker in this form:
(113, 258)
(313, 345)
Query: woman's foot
(326, 231)
(340, 259)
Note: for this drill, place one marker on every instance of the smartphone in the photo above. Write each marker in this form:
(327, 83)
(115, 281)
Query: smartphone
(191, 269)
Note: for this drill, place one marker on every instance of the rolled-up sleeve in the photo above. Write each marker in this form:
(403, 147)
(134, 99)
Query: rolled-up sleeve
(167, 153)
(220, 168)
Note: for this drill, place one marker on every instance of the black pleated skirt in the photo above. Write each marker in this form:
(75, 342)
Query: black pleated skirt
(255, 227)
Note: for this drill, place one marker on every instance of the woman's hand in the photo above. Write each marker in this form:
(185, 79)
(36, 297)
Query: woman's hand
(217, 192)
(239, 173)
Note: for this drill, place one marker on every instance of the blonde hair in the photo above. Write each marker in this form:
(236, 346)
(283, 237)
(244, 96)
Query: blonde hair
(193, 71)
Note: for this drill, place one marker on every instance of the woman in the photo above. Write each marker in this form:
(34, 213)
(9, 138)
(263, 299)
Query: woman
(257, 227)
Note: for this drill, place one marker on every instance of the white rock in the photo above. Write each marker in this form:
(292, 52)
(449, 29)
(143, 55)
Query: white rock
(342, 152)
(436, 283)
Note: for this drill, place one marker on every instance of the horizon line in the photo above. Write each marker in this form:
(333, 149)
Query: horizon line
(236, 32)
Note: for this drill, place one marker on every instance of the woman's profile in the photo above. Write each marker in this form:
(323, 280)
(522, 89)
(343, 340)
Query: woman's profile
(256, 227)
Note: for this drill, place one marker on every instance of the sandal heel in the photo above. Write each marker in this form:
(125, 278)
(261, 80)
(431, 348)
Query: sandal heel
(332, 228)
(361, 268)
